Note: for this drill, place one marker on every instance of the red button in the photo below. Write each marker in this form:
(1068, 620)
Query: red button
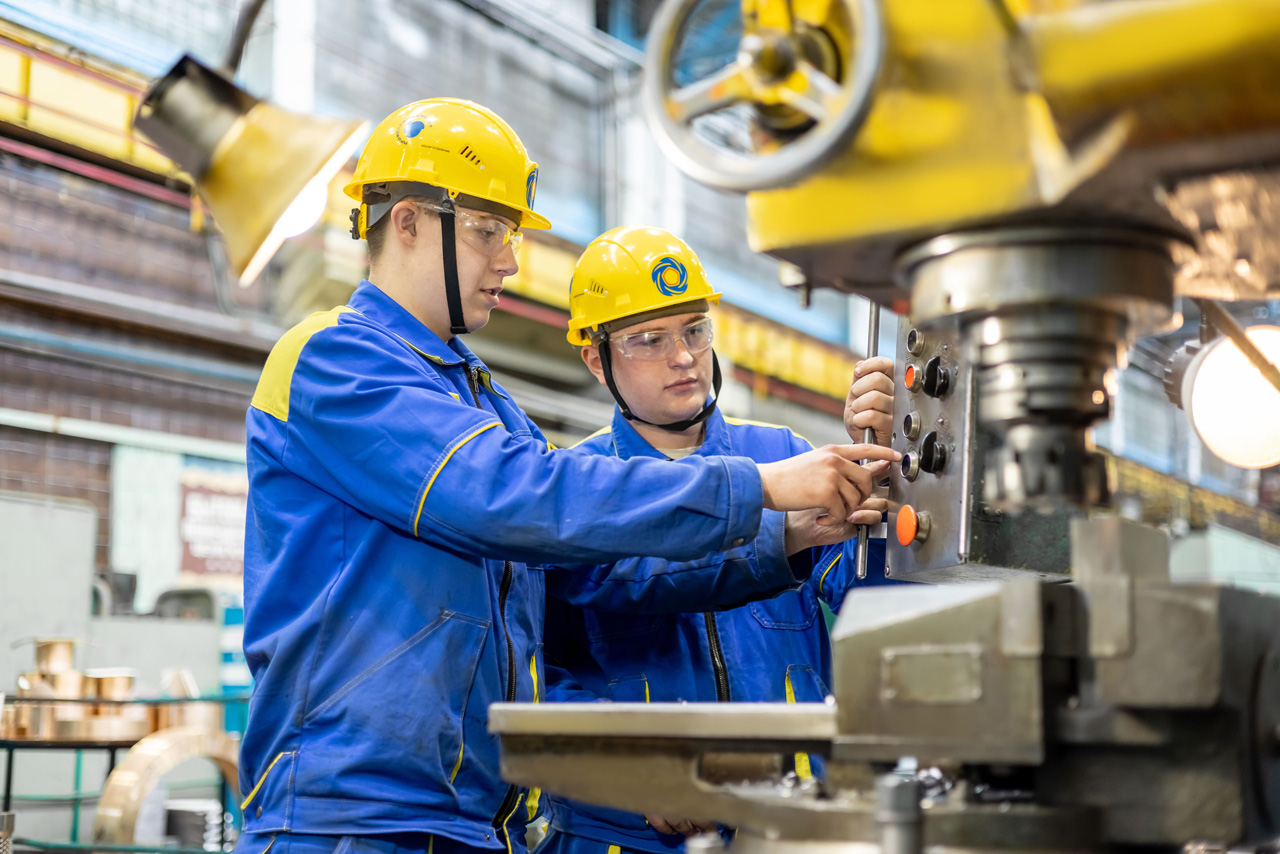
(910, 376)
(908, 524)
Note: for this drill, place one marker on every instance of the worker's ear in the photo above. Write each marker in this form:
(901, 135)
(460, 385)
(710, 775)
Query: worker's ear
(591, 358)
(406, 217)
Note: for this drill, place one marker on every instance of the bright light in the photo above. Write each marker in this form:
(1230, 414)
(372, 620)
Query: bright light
(1233, 408)
(304, 211)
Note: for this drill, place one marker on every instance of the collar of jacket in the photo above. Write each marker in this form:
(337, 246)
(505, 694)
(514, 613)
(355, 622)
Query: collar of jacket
(370, 301)
(628, 443)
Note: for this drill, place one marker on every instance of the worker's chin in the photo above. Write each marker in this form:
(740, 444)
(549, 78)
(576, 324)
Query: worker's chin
(478, 318)
(675, 416)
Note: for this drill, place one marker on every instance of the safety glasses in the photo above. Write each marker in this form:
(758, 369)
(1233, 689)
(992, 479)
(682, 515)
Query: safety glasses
(482, 232)
(660, 344)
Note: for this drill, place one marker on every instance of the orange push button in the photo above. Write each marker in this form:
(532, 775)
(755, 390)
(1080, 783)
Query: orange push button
(912, 527)
(912, 377)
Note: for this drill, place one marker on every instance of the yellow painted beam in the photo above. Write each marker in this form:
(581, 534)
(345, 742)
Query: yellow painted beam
(49, 89)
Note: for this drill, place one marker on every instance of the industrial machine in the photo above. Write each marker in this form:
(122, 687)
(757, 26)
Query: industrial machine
(1029, 182)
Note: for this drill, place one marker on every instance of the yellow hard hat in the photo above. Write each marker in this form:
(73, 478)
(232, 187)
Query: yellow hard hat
(632, 270)
(456, 145)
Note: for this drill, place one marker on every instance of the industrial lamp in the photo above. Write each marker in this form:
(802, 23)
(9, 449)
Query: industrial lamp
(1230, 394)
(262, 171)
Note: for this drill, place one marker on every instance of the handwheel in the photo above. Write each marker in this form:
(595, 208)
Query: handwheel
(780, 70)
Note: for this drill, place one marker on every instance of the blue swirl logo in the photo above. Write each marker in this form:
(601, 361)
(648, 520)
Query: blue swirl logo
(410, 128)
(531, 187)
(670, 276)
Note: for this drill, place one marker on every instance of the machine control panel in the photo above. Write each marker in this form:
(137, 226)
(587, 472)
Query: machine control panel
(942, 529)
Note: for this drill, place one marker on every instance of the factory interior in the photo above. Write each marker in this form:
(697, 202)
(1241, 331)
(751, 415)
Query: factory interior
(553, 527)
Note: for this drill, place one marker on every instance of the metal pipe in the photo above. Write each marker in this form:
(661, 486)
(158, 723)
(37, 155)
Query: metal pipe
(248, 13)
(93, 352)
(171, 317)
(1223, 320)
(868, 435)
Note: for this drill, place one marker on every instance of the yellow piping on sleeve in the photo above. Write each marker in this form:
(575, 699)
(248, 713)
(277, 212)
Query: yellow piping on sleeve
(465, 439)
(262, 780)
(830, 567)
(803, 771)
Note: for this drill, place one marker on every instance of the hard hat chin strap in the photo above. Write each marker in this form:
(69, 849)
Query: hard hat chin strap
(606, 363)
(379, 199)
(452, 290)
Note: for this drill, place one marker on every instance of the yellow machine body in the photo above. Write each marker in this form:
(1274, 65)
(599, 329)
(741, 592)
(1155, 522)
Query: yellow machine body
(984, 111)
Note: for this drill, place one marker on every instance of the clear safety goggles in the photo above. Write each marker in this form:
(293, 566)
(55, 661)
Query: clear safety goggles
(660, 344)
(483, 232)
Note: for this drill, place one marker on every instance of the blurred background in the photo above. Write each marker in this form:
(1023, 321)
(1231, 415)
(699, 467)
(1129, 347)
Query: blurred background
(128, 352)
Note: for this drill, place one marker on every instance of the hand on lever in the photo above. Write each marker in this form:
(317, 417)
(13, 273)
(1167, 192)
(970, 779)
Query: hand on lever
(870, 400)
(828, 479)
(804, 530)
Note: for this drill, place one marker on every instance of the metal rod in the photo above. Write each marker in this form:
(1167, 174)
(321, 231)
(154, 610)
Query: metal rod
(8, 780)
(869, 434)
(1223, 320)
(248, 13)
(898, 815)
(76, 800)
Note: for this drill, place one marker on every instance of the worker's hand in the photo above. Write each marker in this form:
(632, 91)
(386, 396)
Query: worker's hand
(829, 479)
(804, 530)
(870, 400)
(684, 826)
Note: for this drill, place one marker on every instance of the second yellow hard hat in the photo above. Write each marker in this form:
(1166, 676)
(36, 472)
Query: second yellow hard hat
(631, 270)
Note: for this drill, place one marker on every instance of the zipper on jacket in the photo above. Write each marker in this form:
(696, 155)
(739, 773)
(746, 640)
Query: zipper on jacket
(508, 573)
(473, 380)
(717, 658)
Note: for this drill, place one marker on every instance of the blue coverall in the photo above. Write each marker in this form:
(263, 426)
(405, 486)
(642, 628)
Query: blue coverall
(396, 493)
(770, 650)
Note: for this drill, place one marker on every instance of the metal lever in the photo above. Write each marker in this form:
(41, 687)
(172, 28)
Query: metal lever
(898, 815)
(868, 435)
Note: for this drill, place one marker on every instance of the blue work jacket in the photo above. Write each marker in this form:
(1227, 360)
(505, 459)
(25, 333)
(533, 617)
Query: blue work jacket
(770, 650)
(396, 494)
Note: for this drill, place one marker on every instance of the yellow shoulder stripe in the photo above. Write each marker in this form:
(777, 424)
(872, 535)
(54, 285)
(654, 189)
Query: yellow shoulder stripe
(599, 432)
(272, 393)
(464, 440)
(730, 420)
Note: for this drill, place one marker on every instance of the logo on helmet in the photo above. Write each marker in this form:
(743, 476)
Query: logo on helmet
(408, 129)
(531, 187)
(670, 276)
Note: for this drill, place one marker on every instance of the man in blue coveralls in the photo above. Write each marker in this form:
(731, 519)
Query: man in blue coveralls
(396, 492)
(639, 305)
